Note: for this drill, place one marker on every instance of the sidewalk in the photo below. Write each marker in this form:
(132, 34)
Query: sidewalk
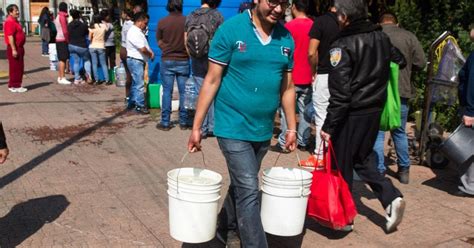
(82, 172)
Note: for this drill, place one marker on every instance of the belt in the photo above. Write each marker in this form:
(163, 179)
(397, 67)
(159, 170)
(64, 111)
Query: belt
(141, 60)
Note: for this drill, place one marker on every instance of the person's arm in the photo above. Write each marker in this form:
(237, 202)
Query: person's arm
(185, 43)
(3, 145)
(63, 22)
(468, 116)
(208, 91)
(159, 37)
(397, 57)
(288, 97)
(313, 55)
(11, 41)
(147, 52)
(340, 91)
(419, 59)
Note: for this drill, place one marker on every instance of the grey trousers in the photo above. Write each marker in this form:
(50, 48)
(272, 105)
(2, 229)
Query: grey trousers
(467, 177)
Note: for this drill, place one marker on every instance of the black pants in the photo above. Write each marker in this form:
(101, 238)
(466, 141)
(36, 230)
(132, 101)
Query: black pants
(110, 56)
(353, 145)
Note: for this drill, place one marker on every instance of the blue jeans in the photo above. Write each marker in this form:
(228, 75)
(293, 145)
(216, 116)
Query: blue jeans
(242, 205)
(44, 47)
(303, 98)
(208, 123)
(137, 90)
(171, 70)
(400, 140)
(80, 53)
(99, 53)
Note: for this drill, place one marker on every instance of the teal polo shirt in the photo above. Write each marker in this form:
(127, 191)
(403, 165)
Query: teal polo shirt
(249, 94)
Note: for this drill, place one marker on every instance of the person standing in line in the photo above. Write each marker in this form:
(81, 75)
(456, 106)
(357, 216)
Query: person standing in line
(209, 16)
(138, 51)
(45, 22)
(466, 101)
(97, 32)
(174, 63)
(110, 50)
(299, 28)
(249, 75)
(322, 33)
(15, 40)
(412, 50)
(78, 46)
(3, 145)
(360, 58)
(62, 40)
(127, 24)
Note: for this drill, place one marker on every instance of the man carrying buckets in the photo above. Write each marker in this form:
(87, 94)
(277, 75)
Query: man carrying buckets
(251, 58)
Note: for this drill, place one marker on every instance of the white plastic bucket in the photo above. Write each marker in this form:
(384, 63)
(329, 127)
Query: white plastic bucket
(193, 196)
(285, 193)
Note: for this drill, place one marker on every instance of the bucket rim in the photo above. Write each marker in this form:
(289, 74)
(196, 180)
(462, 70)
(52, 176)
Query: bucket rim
(173, 195)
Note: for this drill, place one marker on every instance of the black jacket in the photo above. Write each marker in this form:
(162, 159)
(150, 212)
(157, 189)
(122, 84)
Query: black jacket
(78, 32)
(3, 140)
(360, 58)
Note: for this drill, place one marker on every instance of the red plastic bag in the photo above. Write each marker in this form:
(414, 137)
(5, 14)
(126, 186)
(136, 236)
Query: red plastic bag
(330, 202)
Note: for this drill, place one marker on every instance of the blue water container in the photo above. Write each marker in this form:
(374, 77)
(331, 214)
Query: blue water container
(157, 11)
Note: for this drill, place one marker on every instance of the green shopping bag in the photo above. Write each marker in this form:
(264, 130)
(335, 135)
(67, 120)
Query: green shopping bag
(391, 115)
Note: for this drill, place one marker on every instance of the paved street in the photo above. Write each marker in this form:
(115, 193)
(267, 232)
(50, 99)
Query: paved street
(83, 172)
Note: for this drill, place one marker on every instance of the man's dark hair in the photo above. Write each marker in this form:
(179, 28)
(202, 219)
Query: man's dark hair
(388, 16)
(96, 19)
(128, 12)
(75, 14)
(301, 5)
(140, 16)
(212, 3)
(174, 6)
(352, 9)
(62, 7)
(11, 7)
(104, 13)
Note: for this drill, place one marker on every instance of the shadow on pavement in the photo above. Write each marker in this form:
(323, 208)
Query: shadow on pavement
(33, 163)
(38, 85)
(26, 218)
(27, 72)
(3, 54)
(446, 179)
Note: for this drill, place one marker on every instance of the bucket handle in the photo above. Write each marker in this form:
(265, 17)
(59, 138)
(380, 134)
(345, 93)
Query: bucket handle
(299, 165)
(179, 170)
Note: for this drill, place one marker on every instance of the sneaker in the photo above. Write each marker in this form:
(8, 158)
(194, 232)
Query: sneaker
(347, 228)
(142, 110)
(394, 214)
(312, 163)
(21, 90)
(78, 82)
(45, 55)
(403, 175)
(303, 148)
(109, 83)
(13, 90)
(63, 81)
(278, 148)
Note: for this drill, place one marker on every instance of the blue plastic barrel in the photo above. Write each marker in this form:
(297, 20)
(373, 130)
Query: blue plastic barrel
(157, 11)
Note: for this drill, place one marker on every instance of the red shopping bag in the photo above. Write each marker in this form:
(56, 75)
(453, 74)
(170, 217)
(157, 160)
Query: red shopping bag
(330, 202)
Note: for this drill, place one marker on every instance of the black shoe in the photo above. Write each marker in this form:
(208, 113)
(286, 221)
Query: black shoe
(185, 127)
(163, 128)
(130, 106)
(278, 148)
(403, 175)
(229, 238)
(460, 193)
(303, 148)
(109, 83)
(142, 110)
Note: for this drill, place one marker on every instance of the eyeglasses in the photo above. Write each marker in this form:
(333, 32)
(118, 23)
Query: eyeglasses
(275, 3)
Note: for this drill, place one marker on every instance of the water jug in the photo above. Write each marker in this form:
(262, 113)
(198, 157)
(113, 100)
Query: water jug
(120, 76)
(190, 94)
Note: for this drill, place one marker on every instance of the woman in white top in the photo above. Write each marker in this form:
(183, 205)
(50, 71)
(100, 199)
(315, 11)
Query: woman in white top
(97, 32)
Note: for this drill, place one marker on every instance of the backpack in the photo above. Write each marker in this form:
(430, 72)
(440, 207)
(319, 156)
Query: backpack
(199, 34)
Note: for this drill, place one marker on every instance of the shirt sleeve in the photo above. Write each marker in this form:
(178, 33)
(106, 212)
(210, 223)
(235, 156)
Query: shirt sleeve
(315, 31)
(291, 56)
(221, 47)
(9, 29)
(339, 89)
